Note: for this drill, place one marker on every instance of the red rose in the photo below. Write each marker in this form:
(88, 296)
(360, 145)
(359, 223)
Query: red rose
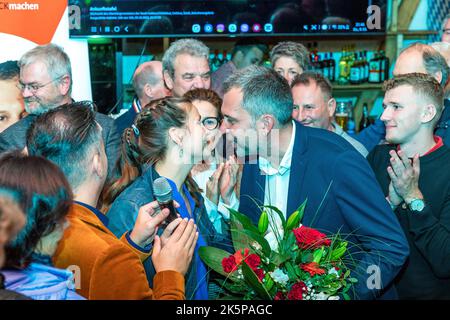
(312, 268)
(260, 274)
(253, 261)
(229, 264)
(280, 296)
(239, 257)
(308, 238)
(297, 291)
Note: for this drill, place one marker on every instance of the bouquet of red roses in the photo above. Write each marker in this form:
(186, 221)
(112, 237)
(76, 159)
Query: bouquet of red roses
(304, 265)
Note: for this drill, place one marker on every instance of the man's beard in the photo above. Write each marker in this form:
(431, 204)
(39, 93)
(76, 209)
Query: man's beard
(39, 106)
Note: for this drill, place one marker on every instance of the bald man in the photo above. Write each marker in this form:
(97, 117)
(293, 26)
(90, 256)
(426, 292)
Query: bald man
(443, 127)
(148, 84)
(423, 58)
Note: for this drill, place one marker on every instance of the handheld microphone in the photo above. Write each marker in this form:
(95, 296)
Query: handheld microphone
(163, 194)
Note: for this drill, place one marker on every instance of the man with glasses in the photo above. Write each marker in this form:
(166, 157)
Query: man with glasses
(45, 82)
(315, 106)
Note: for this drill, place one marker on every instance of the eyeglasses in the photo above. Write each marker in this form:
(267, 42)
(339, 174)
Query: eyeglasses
(211, 123)
(34, 87)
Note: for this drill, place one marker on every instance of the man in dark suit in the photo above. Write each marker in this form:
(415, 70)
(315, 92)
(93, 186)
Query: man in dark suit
(295, 163)
(46, 83)
(149, 85)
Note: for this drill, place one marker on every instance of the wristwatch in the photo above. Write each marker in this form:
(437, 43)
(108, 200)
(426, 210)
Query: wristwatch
(416, 205)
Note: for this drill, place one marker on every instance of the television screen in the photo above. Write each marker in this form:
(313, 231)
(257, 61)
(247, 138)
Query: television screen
(178, 18)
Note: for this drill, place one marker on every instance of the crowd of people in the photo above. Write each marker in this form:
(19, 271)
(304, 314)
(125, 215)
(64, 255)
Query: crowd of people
(79, 218)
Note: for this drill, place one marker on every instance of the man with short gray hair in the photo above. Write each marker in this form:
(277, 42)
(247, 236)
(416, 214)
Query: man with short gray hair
(186, 66)
(295, 163)
(46, 82)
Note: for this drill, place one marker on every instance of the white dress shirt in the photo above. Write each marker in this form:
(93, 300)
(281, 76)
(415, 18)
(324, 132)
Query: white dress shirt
(276, 191)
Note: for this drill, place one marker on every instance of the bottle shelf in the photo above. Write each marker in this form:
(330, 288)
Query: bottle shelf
(358, 87)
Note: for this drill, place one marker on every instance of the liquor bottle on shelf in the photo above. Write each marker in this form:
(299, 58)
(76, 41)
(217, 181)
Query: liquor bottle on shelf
(375, 69)
(366, 66)
(220, 59)
(351, 59)
(365, 121)
(361, 68)
(225, 57)
(215, 63)
(315, 52)
(343, 67)
(332, 67)
(318, 65)
(325, 63)
(384, 68)
(228, 56)
(212, 56)
(355, 71)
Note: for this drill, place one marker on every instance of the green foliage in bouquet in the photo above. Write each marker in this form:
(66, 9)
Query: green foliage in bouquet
(306, 265)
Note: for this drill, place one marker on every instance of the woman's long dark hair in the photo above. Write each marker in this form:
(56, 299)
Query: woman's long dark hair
(149, 146)
(43, 194)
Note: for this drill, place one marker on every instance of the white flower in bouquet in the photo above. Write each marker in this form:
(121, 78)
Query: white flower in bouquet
(321, 296)
(255, 245)
(334, 298)
(279, 276)
(333, 271)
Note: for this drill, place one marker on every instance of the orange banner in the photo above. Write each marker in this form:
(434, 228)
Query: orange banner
(35, 20)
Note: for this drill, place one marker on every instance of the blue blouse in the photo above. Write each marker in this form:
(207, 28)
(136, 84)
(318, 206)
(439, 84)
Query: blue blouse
(201, 292)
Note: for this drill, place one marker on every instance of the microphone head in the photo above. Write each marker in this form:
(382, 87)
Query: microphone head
(162, 190)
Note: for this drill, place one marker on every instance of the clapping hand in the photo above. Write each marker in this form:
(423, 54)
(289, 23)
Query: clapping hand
(212, 185)
(404, 176)
(228, 179)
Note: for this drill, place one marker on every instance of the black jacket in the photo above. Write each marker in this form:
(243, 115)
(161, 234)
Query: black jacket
(426, 274)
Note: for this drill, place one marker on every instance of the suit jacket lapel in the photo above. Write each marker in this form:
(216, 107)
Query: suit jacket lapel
(252, 190)
(298, 170)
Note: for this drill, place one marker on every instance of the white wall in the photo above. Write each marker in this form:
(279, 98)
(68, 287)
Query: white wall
(419, 21)
(12, 48)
